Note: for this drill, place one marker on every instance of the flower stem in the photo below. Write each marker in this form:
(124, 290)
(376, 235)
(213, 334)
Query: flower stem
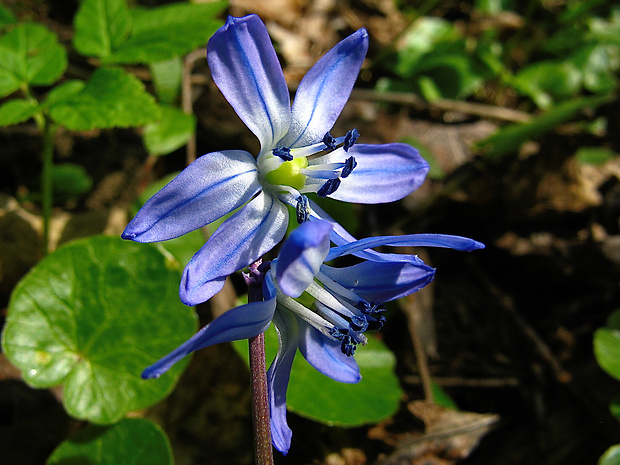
(263, 450)
(46, 182)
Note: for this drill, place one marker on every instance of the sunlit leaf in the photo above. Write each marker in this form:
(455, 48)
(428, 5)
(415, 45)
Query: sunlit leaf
(30, 55)
(101, 26)
(168, 31)
(111, 98)
(607, 350)
(90, 317)
(135, 441)
(17, 111)
(611, 456)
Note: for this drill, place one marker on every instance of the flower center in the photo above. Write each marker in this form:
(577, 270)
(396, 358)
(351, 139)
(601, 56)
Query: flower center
(289, 174)
(313, 168)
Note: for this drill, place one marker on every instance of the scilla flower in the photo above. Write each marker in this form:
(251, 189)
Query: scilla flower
(347, 302)
(298, 155)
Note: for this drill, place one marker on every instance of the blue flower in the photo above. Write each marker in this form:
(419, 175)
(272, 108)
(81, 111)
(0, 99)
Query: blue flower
(298, 155)
(347, 302)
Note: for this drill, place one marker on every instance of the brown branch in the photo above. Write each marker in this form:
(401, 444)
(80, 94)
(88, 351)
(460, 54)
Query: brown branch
(470, 108)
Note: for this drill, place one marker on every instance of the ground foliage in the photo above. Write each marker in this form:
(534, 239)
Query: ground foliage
(508, 331)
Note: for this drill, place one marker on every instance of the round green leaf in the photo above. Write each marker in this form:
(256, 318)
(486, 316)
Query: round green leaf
(70, 180)
(91, 316)
(314, 395)
(611, 456)
(607, 350)
(133, 440)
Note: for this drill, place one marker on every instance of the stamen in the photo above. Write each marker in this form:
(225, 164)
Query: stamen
(359, 324)
(329, 187)
(283, 152)
(302, 209)
(349, 165)
(350, 139)
(375, 323)
(348, 345)
(329, 141)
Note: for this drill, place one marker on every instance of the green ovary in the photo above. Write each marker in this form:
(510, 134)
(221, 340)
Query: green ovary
(288, 174)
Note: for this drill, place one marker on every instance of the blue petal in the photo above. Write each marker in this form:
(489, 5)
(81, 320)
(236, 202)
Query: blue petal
(326, 356)
(242, 239)
(301, 256)
(382, 281)
(325, 89)
(278, 376)
(384, 173)
(341, 236)
(411, 240)
(212, 186)
(238, 323)
(246, 69)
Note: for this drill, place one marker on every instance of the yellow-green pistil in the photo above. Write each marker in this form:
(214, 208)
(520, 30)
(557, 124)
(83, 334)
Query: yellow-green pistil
(289, 174)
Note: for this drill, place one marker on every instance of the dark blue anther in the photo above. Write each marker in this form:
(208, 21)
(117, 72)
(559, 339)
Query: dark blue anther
(348, 347)
(329, 187)
(349, 165)
(302, 208)
(359, 324)
(376, 323)
(350, 138)
(329, 141)
(283, 152)
(372, 308)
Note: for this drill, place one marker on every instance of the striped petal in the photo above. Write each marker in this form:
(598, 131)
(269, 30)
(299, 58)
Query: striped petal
(325, 89)
(245, 67)
(212, 186)
(301, 256)
(240, 240)
(238, 323)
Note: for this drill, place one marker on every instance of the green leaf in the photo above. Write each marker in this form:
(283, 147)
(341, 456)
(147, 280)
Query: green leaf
(614, 407)
(63, 92)
(599, 63)
(313, 395)
(135, 441)
(30, 55)
(594, 155)
(69, 181)
(611, 456)
(167, 78)
(168, 31)
(101, 26)
(607, 350)
(171, 132)
(17, 111)
(91, 316)
(111, 98)
(613, 321)
(6, 17)
(509, 139)
(547, 81)
(441, 397)
(421, 38)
